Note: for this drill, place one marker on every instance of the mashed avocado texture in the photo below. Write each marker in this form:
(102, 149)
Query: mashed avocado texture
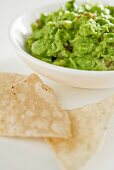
(78, 37)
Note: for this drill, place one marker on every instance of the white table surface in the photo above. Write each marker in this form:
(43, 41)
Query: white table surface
(21, 154)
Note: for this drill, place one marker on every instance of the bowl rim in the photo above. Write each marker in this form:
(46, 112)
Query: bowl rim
(11, 31)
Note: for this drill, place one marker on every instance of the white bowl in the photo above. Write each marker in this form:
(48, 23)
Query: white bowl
(20, 29)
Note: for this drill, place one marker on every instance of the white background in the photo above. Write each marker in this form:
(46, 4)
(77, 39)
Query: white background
(20, 154)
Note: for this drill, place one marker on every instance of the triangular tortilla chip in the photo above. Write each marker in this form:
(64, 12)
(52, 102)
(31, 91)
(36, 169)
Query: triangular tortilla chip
(89, 124)
(29, 109)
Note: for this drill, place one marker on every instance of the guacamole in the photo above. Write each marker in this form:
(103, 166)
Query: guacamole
(78, 37)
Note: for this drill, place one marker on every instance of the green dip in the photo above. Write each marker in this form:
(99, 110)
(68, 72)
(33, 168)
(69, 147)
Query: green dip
(78, 37)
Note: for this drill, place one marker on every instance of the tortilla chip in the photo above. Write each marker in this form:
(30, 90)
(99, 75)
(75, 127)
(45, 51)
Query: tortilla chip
(89, 124)
(29, 109)
(7, 79)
